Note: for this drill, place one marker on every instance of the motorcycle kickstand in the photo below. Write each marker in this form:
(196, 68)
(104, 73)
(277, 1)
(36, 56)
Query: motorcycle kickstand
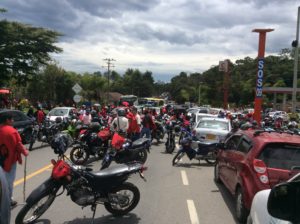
(93, 208)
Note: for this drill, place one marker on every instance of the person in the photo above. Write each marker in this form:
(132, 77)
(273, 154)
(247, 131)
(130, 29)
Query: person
(39, 115)
(30, 112)
(148, 125)
(87, 118)
(134, 128)
(120, 123)
(4, 202)
(11, 149)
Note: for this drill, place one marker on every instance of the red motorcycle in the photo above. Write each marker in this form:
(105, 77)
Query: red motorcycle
(92, 141)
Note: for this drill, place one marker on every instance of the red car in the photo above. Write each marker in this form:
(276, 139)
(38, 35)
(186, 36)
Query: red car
(253, 160)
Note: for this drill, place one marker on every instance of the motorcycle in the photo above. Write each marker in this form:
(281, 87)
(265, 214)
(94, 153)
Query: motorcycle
(172, 128)
(48, 129)
(124, 150)
(91, 141)
(84, 186)
(205, 151)
(158, 133)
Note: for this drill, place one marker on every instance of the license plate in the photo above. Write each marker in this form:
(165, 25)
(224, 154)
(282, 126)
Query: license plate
(210, 137)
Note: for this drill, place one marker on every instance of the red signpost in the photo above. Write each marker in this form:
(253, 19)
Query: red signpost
(260, 72)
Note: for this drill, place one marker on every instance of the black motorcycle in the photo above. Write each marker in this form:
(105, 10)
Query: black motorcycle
(48, 129)
(171, 128)
(205, 151)
(127, 151)
(91, 142)
(158, 133)
(84, 186)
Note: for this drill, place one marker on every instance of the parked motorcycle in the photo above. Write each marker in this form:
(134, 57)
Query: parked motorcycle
(205, 151)
(91, 142)
(124, 150)
(172, 128)
(85, 187)
(48, 129)
(159, 132)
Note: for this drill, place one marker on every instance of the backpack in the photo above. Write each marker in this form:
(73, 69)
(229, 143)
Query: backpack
(3, 154)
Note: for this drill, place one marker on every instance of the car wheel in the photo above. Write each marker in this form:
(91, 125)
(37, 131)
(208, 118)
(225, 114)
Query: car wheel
(240, 209)
(217, 174)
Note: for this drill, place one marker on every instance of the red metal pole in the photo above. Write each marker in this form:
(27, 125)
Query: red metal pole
(260, 73)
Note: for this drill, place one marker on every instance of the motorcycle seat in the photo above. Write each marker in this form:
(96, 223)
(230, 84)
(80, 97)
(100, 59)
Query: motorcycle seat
(140, 142)
(110, 171)
(206, 145)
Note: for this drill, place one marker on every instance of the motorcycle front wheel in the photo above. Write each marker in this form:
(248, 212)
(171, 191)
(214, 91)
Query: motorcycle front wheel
(177, 158)
(122, 199)
(32, 211)
(79, 155)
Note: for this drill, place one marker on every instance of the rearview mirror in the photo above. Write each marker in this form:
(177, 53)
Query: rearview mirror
(284, 202)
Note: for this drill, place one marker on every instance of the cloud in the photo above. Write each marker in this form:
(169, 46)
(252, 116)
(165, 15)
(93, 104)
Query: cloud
(164, 37)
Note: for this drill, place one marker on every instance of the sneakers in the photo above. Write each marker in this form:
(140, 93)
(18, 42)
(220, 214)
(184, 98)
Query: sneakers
(13, 203)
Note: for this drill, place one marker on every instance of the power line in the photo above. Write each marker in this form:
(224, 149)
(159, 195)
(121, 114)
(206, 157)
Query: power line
(109, 66)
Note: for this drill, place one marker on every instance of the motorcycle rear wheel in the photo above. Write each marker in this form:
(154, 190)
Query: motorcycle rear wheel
(213, 159)
(32, 211)
(142, 155)
(79, 155)
(123, 199)
(177, 158)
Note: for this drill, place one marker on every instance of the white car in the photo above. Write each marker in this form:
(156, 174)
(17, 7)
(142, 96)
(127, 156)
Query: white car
(62, 112)
(212, 129)
(259, 213)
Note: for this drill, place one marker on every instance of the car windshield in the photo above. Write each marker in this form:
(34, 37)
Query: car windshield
(213, 124)
(281, 156)
(58, 112)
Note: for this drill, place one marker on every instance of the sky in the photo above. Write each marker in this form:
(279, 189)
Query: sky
(165, 37)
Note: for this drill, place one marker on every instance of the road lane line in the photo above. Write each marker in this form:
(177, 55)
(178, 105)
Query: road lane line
(193, 212)
(185, 180)
(20, 181)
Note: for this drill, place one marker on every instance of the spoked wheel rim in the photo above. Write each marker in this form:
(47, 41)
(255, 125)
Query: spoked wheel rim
(79, 155)
(123, 199)
(38, 209)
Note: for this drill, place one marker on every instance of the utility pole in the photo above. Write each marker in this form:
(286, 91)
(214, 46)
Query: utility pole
(295, 79)
(109, 66)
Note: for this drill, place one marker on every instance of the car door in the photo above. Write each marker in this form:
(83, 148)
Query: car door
(224, 157)
(236, 162)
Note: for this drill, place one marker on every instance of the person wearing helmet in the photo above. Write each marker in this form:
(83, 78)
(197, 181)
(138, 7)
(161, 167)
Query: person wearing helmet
(120, 123)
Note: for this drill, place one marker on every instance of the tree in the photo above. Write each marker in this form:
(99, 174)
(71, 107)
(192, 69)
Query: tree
(23, 49)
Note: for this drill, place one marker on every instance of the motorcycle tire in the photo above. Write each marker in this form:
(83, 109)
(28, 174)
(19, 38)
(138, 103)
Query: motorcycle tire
(170, 146)
(213, 159)
(79, 155)
(120, 204)
(177, 158)
(142, 155)
(36, 208)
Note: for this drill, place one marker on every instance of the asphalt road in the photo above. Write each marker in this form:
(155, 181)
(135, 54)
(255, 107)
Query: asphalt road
(185, 194)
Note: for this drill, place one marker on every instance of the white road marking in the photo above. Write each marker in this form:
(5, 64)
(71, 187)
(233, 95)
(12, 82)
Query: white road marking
(185, 180)
(193, 212)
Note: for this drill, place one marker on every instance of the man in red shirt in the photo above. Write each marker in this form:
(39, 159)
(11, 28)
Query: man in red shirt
(11, 149)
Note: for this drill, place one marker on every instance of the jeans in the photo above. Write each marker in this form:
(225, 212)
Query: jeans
(10, 177)
(147, 132)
